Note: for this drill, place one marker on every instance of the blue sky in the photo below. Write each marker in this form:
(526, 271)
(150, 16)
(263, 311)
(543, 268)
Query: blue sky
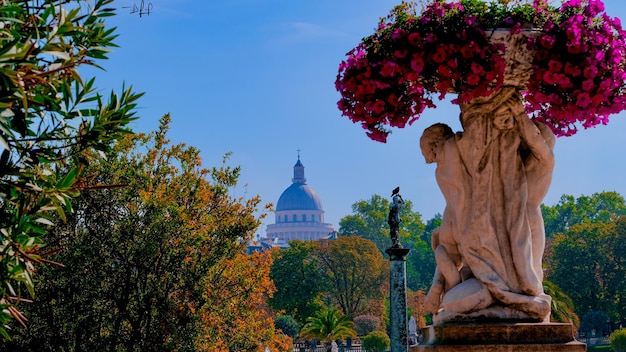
(256, 78)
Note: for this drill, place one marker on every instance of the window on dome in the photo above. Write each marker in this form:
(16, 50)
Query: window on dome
(294, 218)
(304, 217)
(286, 220)
(312, 218)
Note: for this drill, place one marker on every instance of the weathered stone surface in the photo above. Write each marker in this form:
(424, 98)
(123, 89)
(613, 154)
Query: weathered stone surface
(468, 296)
(493, 175)
(497, 337)
(516, 54)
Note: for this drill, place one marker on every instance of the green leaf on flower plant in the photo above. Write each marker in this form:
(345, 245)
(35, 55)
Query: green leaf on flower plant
(4, 333)
(44, 221)
(68, 180)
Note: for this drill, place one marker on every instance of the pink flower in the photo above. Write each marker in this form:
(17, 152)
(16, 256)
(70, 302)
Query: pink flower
(573, 33)
(476, 68)
(415, 39)
(467, 51)
(583, 100)
(587, 84)
(377, 107)
(440, 55)
(444, 70)
(398, 33)
(517, 28)
(417, 64)
(572, 70)
(547, 41)
(400, 54)
(377, 135)
(595, 7)
(473, 79)
(550, 78)
(542, 55)
(590, 72)
(389, 69)
(572, 3)
(452, 64)
(576, 48)
(555, 66)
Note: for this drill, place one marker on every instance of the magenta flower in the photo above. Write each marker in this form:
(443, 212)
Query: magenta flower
(587, 85)
(590, 72)
(583, 100)
(415, 39)
(398, 33)
(473, 79)
(555, 66)
(578, 77)
(547, 41)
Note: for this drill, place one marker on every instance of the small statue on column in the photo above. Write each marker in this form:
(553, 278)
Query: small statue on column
(394, 217)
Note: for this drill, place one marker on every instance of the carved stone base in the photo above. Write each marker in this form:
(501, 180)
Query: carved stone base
(500, 337)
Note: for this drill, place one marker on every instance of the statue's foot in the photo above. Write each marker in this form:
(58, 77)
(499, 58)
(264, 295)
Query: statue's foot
(432, 302)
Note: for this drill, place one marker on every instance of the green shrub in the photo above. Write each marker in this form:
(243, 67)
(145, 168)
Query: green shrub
(376, 341)
(364, 324)
(618, 340)
(287, 325)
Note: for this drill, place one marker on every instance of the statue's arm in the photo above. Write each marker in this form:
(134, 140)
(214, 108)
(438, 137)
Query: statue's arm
(534, 138)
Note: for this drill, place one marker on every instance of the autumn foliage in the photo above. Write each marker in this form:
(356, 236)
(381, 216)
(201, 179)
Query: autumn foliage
(236, 316)
(154, 256)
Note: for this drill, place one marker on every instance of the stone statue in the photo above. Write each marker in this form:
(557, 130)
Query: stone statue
(394, 217)
(493, 176)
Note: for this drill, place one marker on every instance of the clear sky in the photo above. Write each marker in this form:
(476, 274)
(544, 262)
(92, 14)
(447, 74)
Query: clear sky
(256, 78)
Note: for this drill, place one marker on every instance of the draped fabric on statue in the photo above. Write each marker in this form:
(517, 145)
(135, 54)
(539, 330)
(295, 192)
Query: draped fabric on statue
(495, 240)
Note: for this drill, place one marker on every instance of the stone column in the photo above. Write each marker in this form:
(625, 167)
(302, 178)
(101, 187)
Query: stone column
(398, 320)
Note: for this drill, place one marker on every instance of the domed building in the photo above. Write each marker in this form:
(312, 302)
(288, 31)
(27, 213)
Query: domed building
(299, 213)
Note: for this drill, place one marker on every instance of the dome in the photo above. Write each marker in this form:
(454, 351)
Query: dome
(299, 196)
(299, 214)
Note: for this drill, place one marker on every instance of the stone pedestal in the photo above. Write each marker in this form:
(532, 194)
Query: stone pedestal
(500, 337)
(398, 323)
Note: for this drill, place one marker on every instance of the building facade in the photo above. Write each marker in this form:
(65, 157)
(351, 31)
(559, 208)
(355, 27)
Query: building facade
(299, 213)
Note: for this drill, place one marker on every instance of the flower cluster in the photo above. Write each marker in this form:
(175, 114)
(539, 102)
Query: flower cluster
(578, 69)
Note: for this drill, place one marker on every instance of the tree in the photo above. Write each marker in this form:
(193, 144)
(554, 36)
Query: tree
(616, 271)
(355, 272)
(594, 323)
(421, 259)
(577, 263)
(49, 116)
(327, 325)
(415, 303)
(599, 207)
(141, 263)
(235, 317)
(297, 278)
(587, 262)
(369, 220)
(562, 310)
